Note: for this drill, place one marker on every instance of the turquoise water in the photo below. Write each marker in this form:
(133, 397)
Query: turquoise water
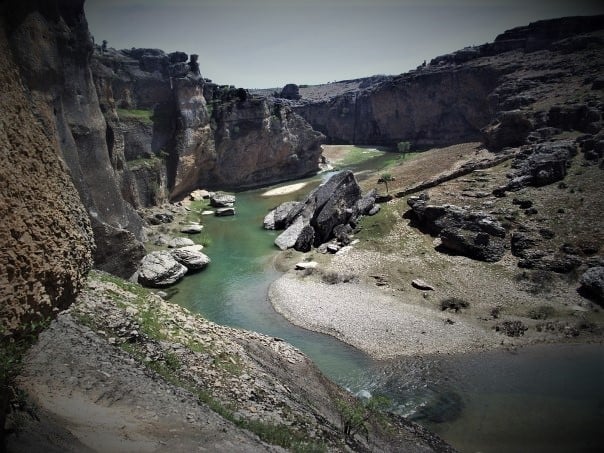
(543, 399)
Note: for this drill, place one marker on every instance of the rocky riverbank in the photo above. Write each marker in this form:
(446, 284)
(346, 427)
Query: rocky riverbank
(469, 297)
(123, 370)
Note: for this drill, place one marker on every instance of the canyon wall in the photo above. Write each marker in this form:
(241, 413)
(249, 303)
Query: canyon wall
(46, 236)
(52, 47)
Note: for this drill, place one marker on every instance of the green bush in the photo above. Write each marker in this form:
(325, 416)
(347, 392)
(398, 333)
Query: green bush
(403, 147)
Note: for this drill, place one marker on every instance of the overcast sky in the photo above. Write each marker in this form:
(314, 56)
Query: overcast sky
(268, 43)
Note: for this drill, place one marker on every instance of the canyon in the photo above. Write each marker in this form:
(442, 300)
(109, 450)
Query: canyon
(92, 136)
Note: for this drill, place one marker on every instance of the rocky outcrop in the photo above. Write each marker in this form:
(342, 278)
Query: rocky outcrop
(61, 88)
(539, 165)
(46, 238)
(472, 234)
(276, 219)
(510, 129)
(325, 211)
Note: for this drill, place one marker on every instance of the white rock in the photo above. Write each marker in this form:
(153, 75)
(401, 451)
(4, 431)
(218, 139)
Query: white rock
(191, 229)
(306, 265)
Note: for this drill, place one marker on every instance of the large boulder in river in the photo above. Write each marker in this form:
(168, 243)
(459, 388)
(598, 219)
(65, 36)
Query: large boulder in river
(222, 200)
(331, 204)
(158, 269)
(191, 257)
(469, 233)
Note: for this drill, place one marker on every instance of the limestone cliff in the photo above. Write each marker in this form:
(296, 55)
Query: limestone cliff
(52, 47)
(453, 97)
(194, 133)
(45, 235)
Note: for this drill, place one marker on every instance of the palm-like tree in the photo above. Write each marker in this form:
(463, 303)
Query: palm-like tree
(385, 178)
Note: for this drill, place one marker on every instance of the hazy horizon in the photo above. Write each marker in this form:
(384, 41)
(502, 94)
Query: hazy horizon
(268, 43)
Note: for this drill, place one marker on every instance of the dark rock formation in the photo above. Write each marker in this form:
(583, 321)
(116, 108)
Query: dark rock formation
(62, 90)
(46, 238)
(290, 91)
(540, 165)
(472, 234)
(329, 210)
(534, 251)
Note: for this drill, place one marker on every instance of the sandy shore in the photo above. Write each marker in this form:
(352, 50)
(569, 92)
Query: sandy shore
(381, 325)
(284, 190)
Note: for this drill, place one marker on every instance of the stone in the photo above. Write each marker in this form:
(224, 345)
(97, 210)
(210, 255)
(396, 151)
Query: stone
(277, 218)
(158, 269)
(199, 194)
(592, 283)
(367, 203)
(470, 233)
(306, 265)
(222, 200)
(290, 91)
(342, 233)
(305, 239)
(191, 257)
(207, 212)
(288, 238)
(373, 211)
(333, 248)
(180, 242)
(191, 229)
(224, 212)
(420, 284)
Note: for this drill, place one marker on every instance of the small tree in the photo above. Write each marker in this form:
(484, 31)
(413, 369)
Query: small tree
(104, 46)
(403, 147)
(385, 178)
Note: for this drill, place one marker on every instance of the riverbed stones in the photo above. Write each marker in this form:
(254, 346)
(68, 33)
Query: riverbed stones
(191, 257)
(222, 200)
(306, 265)
(158, 269)
(192, 229)
(224, 212)
(180, 242)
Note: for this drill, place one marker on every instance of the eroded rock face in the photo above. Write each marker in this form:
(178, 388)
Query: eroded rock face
(160, 269)
(62, 90)
(47, 241)
(472, 234)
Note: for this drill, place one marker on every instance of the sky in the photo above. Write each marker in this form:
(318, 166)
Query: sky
(269, 43)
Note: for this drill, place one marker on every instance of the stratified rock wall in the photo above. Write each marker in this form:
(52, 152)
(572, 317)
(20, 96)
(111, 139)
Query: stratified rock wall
(46, 241)
(52, 47)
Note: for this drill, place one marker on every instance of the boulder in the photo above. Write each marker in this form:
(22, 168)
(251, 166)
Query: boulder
(191, 229)
(158, 269)
(305, 239)
(222, 200)
(224, 212)
(290, 91)
(470, 233)
(191, 257)
(540, 165)
(180, 242)
(306, 265)
(420, 284)
(288, 238)
(367, 203)
(277, 218)
(511, 129)
(592, 283)
(199, 194)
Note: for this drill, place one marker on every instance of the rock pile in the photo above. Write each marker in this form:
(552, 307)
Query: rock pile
(469, 233)
(331, 210)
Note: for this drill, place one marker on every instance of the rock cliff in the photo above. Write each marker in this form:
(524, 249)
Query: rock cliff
(52, 47)
(454, 97)
(205, 135)
(46, 236)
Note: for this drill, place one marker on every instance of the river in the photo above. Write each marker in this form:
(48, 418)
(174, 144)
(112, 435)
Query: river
(544, 398)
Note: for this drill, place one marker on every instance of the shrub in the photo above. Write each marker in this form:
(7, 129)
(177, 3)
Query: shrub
(541, 312)
(454, 303)
(511, 328)
(403, 147)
